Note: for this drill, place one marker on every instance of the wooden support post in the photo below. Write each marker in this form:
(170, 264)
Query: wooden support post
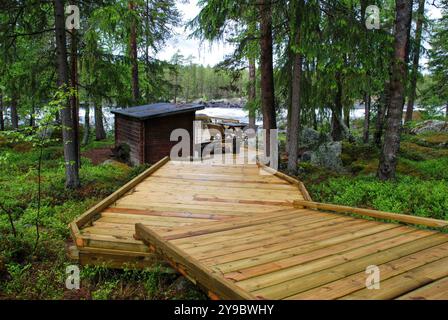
(235, 147)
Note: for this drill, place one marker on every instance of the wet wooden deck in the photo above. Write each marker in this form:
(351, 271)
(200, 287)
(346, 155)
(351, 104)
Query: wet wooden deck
(241, 233)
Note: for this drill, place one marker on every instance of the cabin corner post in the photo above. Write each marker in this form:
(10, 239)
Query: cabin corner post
(142, 147)
(115, 132)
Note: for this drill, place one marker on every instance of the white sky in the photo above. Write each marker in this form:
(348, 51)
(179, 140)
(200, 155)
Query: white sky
(211, 53)
(206, 53)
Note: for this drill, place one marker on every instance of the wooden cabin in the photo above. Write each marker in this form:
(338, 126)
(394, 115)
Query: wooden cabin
(146, 129)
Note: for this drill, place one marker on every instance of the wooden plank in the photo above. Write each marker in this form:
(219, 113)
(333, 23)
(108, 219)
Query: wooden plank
(179, 183)
(265, 263)
(188, 196)
(89, 214)
(126, 221)
(373, 213)
(403, 283)
(223, 178)
(189, 265)
(235, 209)
(219, 176)
(115, 243)
(297, 234)
(251, 231)
(345, 286)
(316, 273)
(286, 203)
(117, 259)
(185, 214)
(437, 290)
(167, 220)
(312, 242)
(194, 189)
(303, 191)
(230, 224)
(279, 174)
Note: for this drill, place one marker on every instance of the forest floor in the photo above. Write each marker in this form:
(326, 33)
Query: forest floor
(39, 273)
(98, 155)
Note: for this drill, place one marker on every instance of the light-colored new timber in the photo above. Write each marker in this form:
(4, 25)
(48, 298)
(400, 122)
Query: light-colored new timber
(246, 231)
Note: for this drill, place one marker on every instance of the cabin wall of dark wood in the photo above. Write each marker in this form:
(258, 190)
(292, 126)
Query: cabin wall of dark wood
(158, 132)
(131, 132)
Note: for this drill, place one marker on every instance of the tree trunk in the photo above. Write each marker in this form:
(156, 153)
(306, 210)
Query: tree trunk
(367, 102)
(289, 95)
(175, 86)
(134, 58)
(100, 133)
(293, 148)
(32, 120)
(336, 118)
(74, 103)
(295, 114)
(2, 120)
(367, 98)
(14, 114)
(388, 159)
(446, 111)
(252, 92)
(68, 137)
(381, 112)
(147, 40)
(33, 107)
(267, 73)
(85, 138)
(416, 58)
(314, 118)
(347, 116)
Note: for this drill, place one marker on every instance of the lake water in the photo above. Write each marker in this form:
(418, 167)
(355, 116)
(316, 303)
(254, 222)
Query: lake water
(231, 113)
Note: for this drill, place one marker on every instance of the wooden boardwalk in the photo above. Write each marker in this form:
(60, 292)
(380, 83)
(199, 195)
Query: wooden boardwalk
(240, 233)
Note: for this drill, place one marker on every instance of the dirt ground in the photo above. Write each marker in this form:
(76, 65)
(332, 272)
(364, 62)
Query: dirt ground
(98, 155)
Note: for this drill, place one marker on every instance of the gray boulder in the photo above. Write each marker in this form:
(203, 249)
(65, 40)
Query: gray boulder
(431, 126)
(306, 156)
(311, 139)
(328, 155)
(108, 162)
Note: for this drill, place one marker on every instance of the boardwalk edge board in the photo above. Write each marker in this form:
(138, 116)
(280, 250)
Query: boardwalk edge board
(429, 222)
(294, 181)
(187, 265)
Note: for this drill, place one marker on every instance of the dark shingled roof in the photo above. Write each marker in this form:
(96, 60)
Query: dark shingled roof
(157, 110)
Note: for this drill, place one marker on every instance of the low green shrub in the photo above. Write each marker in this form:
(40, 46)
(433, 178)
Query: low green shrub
(411, 195)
